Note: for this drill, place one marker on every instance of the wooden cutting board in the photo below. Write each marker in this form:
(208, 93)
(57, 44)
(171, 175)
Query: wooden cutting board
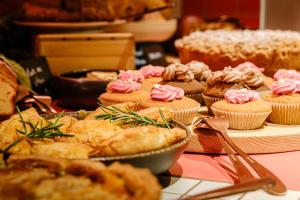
(271, 138)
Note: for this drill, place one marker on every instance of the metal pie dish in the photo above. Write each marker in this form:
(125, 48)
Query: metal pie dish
(157, 161)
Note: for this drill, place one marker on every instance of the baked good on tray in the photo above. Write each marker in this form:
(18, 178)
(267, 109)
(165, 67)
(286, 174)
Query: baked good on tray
(41, 177)
(115, 130)
(285, 101)
(185, 109)
(243, 108)
(8, 90)
(270, 49)
(80, 10)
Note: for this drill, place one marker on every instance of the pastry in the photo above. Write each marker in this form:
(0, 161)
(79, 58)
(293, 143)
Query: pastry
(270, 49)
(41, 177)
(152, 76)
(243, 108)
(285, 101)
(185, 109)
(182, 76)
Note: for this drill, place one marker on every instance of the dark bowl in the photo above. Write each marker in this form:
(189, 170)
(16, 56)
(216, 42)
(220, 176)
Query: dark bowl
(73, 92)
(157, 161)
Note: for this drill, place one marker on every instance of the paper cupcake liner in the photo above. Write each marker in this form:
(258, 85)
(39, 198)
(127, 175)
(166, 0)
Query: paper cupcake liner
(285, 113)
(243, 121)
(186, 116)
(196, 96)
(209, 101)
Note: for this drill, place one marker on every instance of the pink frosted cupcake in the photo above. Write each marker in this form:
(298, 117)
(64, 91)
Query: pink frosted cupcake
(285, 101)
(284, 73)
(185, 109)
(136, 76)
(243, 108)
(121, 91)
(152, 76)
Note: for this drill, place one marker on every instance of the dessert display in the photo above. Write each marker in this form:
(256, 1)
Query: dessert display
(270, 49)
(108, 131)
(185, 109)
(187, 77)
(86, 10)
(41, 177)
(285, 101)
(243, 108)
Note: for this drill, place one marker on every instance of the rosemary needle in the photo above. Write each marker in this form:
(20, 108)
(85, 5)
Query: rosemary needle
(115, 114)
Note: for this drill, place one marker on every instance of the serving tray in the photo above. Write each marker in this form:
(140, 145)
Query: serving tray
(270, 138)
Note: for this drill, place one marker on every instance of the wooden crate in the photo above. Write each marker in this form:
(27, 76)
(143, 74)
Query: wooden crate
(71, 52)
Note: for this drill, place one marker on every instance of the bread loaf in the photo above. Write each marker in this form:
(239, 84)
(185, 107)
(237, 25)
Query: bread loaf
(8, 90)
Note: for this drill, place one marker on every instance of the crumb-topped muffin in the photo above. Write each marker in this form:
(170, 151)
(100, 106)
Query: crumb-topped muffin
(243, 108)
(285, 101)
(185, 109)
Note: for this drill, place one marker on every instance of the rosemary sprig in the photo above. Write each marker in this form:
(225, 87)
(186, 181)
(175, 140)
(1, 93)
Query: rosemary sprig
(37, 131)
(115, 114)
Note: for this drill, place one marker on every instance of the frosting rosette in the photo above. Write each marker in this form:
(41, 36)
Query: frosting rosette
(177, 71)
(290, 74)
(166, 93)
(249, 65)
(123, 86)
(241, 96)
(152, 71)
(215, 77)
(136, 76)
(285, 86)
(200, 70)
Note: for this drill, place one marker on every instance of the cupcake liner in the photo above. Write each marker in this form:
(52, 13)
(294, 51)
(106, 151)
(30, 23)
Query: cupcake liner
(209, 101)
(285, 113)
(243, 121)
(196, 96)
(186, 116)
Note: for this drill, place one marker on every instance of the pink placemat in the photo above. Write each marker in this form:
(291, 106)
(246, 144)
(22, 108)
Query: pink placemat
(214, 167)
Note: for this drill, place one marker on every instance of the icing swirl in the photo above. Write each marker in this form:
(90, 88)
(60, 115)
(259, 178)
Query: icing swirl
(249, 65)
(215, 77)
(253, 79)
(123, 86)
(283, 87)
(232, 76)
(131, 75)
(166, 93)
(283, 73)
(241, 96)
(152, 71)
(200, 70)
(177, 71)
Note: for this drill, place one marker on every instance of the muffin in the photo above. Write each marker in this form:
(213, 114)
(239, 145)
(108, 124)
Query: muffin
(185, 109)
(181, 76)
(152, 76)
(121, 91)
(285, 102)
(243, 108)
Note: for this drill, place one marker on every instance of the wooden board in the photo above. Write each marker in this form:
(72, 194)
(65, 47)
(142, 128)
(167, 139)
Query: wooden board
(271, 138)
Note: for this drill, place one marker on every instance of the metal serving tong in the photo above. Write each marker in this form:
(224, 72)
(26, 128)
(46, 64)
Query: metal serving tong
(41, 103)
(247, 181)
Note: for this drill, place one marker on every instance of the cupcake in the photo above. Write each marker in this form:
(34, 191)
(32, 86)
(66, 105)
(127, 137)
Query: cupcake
(285, 102)
(132, 75)
(243, 108)
(219, 82)
(121, 91)
(185, 109)
(152, 76)
(284, 73)
(181, 76)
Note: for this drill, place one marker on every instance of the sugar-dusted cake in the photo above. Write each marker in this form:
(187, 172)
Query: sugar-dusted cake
(270, 49)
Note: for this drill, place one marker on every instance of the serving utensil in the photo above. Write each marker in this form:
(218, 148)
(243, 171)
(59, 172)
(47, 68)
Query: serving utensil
(242, 171)
(221, 125)
(233, 189)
